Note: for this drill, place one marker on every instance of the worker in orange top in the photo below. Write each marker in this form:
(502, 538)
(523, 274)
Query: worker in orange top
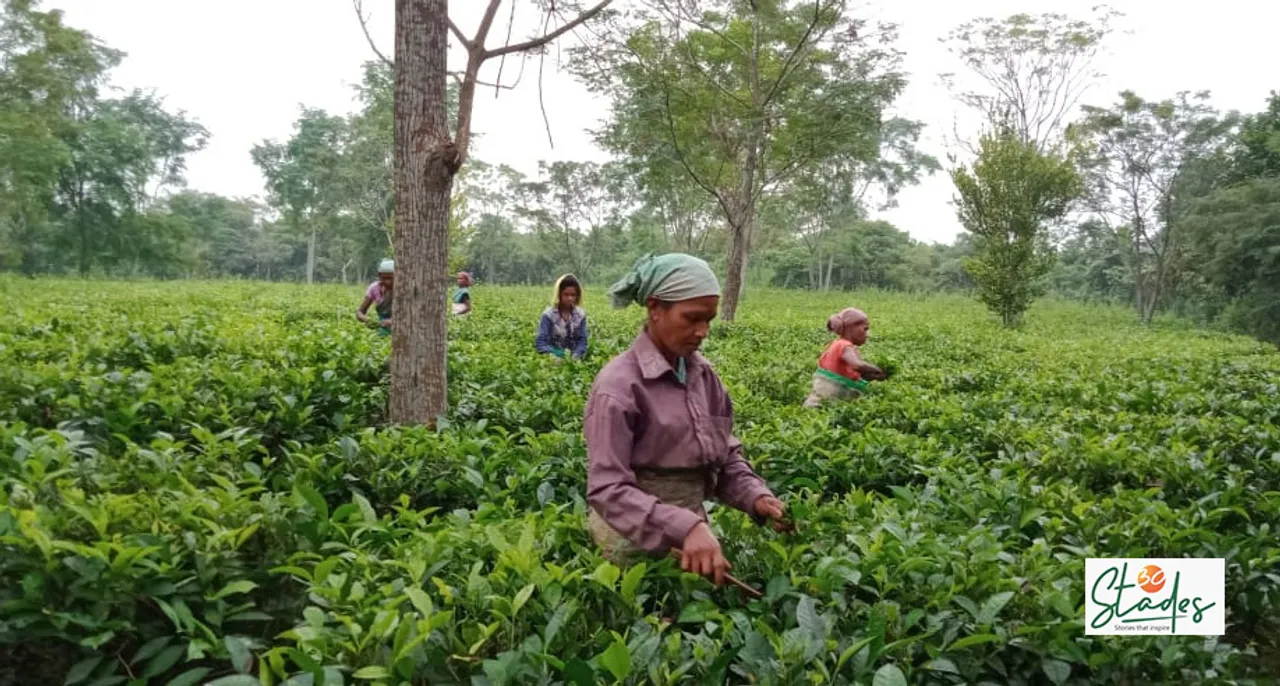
(842, 373)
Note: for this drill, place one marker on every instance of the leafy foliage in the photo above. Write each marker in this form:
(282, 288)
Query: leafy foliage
(1013, 190)
(196, 487)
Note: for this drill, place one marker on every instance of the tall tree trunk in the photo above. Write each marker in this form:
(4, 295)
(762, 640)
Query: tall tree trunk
(425, 162)
(742, 220)
(736, 269)
(742, 223)
(311, 256)
(84, 245)
(831, 264)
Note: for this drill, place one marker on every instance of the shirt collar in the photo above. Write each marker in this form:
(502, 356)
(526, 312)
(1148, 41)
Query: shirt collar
(653, 364)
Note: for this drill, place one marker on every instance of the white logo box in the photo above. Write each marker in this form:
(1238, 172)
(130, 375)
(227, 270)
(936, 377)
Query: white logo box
(1150, 596)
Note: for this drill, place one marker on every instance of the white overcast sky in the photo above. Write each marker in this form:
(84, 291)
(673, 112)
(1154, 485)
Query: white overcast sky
(244, 67)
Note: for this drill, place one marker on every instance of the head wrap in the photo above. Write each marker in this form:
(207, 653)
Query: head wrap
(670, 278)
(838, 322)
(387, 267)
(562, 283)
(466, 279)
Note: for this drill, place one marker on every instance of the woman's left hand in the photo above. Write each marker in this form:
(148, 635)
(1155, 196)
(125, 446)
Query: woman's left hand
(771, 507)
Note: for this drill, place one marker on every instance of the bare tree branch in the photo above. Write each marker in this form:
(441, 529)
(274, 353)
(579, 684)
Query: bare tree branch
(458, 76)
(547, 38)
(542, 105)
(511, 24)
(457, 33)
(467, 89)
(364, 27)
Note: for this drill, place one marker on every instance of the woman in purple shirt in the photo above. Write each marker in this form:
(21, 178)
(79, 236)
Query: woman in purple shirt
(659, 427)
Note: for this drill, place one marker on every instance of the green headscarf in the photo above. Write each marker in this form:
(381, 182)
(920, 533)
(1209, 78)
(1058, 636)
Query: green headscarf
(671, 278)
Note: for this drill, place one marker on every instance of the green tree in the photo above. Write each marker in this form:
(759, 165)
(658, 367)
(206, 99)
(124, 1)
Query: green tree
(1234, 241)
(1093, 264)
(571, 206)
(48, 73)
(741, 96)
(123, 154)
(303, 175)
(1140, 157)
(1027, 73)
(1012, 189)
(1255, 152)
(222, 231)
(821, 200)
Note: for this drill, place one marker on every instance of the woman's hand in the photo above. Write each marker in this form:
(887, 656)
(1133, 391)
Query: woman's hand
(870, 372)
(769, 506)
(701, 554)
(774, 509)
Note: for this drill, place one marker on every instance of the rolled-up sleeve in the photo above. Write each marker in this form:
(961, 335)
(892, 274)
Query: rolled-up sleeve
(612, 492)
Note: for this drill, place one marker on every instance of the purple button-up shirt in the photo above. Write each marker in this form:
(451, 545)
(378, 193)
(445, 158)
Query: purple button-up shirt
(639, 416)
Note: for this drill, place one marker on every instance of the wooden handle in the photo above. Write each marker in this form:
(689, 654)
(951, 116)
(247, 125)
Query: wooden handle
(679, 555)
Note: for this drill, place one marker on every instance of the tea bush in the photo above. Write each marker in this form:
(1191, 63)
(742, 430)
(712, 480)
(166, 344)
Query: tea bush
(197, 486)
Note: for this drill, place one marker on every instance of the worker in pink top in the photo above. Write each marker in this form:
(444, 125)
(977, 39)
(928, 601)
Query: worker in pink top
(379, 295)
(659, 427)
(842, 373)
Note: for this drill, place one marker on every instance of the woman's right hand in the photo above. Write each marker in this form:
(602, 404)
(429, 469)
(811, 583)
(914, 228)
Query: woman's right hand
(701, 554)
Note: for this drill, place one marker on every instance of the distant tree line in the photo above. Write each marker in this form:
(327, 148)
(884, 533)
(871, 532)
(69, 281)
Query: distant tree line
(1166, 205)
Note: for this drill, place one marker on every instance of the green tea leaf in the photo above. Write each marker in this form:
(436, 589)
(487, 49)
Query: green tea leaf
(164, 661)
(421, 601)
(546, 493)
(372, 672)
(521, 598)
(311, 497)
(889, 675)
(191, 677)
(992, 607)
(1057, 670)
(1029, 515)
(233, 588)
(808, 619)
(617, 659)
(235, 680)
(606, 574)
(324, 569)
(241, 657)
(82, 669)
(853, 650)
(631, 582)
(974, 640)
(366, 510)
(941, 664)
(561, 615)
(150, 648)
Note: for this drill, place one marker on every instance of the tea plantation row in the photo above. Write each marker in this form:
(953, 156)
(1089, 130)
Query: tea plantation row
(196, 485)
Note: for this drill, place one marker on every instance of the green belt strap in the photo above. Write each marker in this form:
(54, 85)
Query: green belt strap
(843, 381)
